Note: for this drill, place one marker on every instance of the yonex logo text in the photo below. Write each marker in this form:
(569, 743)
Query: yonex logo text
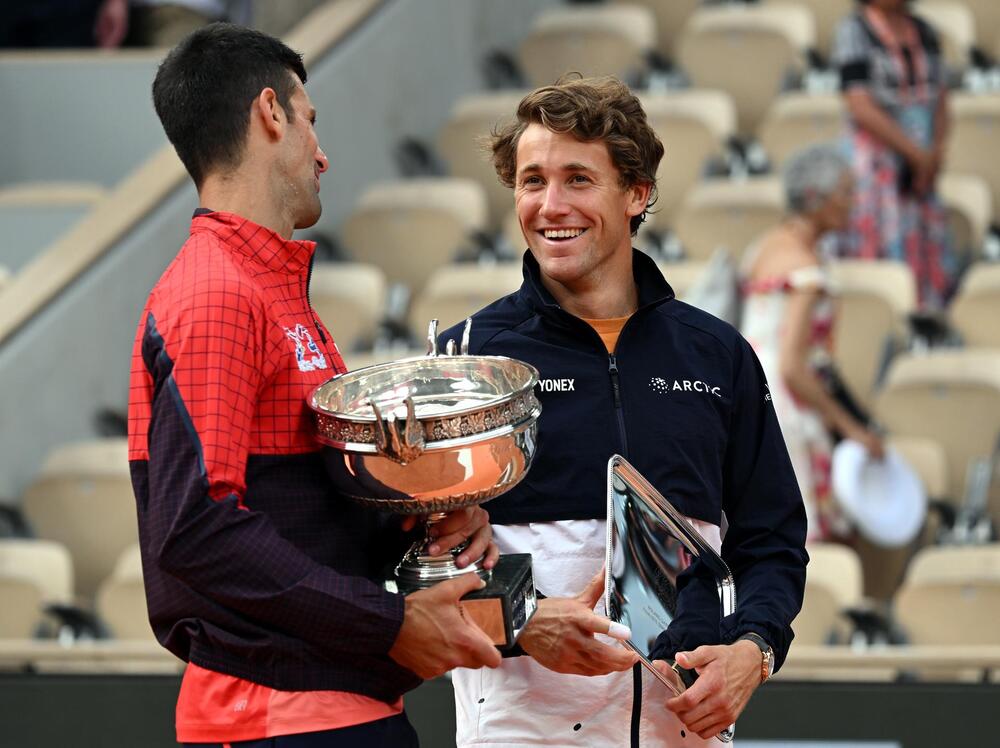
(557, 385)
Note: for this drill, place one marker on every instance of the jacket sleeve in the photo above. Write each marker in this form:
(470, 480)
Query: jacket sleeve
(205, 368)
(764, 544)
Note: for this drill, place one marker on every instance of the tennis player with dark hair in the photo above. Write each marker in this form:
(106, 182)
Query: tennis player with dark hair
(257, 574)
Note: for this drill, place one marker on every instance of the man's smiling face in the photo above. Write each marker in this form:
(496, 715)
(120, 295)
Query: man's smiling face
(571, 205)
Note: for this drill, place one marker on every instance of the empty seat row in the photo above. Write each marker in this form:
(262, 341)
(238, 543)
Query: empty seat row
(948, 595)
(696, 126)
(771, 42)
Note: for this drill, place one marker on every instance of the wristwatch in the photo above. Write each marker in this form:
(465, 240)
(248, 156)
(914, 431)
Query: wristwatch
(766, 654)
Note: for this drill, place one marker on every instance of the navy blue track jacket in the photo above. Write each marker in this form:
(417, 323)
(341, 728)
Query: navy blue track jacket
(685, 400)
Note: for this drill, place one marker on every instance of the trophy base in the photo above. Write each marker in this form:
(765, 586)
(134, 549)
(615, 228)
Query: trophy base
(503, 607)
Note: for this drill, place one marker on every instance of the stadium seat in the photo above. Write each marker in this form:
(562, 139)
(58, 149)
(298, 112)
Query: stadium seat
(682, 275)
(82, 497)
(350, 298)
(955, 26)
(729, 214)
(929, 461)
(833, 585)
(975, 130)
(670, 16)
(462, 143)
(874, 299)
(694, 126)
(456, 291)
(44, 562)
(796, 120)
(21, 611)
(969, 203)
(409, 227)
(121, 599)
(827, 14)
(951, 595)
(588, 39)
(987, 22)
(749, 51)
(975, 310)
(33, 573)
(953, 396)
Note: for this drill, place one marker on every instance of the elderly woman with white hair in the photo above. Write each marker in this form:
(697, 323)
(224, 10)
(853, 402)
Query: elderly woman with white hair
(788, 317)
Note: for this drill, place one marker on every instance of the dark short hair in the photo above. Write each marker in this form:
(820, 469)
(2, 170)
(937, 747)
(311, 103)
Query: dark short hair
(205, 86)
(589, 109)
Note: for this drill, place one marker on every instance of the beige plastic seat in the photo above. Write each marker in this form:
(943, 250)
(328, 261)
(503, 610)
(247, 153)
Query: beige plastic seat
(409, 227)
(975, 310)
(874, 299)
(955, 564)
(694, 126)
(951, 595)
(986, 26)
(727, 213)
(33, 573)
(974, 134)
(121, 599)
(589, 39)
(463, 144)
(833, 584)
(21, 611)
(952, 395)
(969, 203)
(512, 233)
(682, 275)
(456, 291)
(44, 562)
(747, 51)
(670, 17)
(4, 277)
(955, 25)
(928, 459)
(797, 120)
(827, 14)
(82, 497)
(350, 299)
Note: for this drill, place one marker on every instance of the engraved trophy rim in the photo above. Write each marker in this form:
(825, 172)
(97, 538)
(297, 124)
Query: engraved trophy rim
(356, 432)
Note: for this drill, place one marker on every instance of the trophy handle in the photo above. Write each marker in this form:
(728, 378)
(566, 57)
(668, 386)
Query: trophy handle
(400, 443)
(451, 348)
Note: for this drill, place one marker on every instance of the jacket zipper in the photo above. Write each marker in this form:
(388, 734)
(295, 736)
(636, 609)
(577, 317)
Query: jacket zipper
(312, 312)
(616, 391)
(636, 671)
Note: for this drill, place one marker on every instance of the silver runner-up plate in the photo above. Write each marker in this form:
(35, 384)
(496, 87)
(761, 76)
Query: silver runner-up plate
(650, 544)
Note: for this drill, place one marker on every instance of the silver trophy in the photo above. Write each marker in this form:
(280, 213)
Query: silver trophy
(650, 544)
(429, 435)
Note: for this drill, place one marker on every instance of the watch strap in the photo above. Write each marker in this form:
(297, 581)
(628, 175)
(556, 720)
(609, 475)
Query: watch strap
(766, 654)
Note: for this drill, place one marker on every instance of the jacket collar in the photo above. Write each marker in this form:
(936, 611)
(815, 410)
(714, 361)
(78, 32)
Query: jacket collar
(653, 287)
(259, 244)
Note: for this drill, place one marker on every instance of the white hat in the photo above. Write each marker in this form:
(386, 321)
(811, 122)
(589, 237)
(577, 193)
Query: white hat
(883, 498)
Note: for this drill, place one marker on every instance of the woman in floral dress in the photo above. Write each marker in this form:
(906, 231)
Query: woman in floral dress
(788, 317)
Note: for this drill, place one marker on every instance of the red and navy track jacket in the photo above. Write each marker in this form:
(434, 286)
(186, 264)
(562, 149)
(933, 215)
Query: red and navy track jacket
(253, 566)
(685, 400)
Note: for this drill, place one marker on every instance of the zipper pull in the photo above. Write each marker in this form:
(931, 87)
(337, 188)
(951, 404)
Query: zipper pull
(613, 372)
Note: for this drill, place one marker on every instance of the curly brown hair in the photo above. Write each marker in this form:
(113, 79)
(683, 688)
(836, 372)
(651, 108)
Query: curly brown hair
(589, 109)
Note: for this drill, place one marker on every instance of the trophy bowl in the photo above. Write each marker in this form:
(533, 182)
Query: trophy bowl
(429, 435)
